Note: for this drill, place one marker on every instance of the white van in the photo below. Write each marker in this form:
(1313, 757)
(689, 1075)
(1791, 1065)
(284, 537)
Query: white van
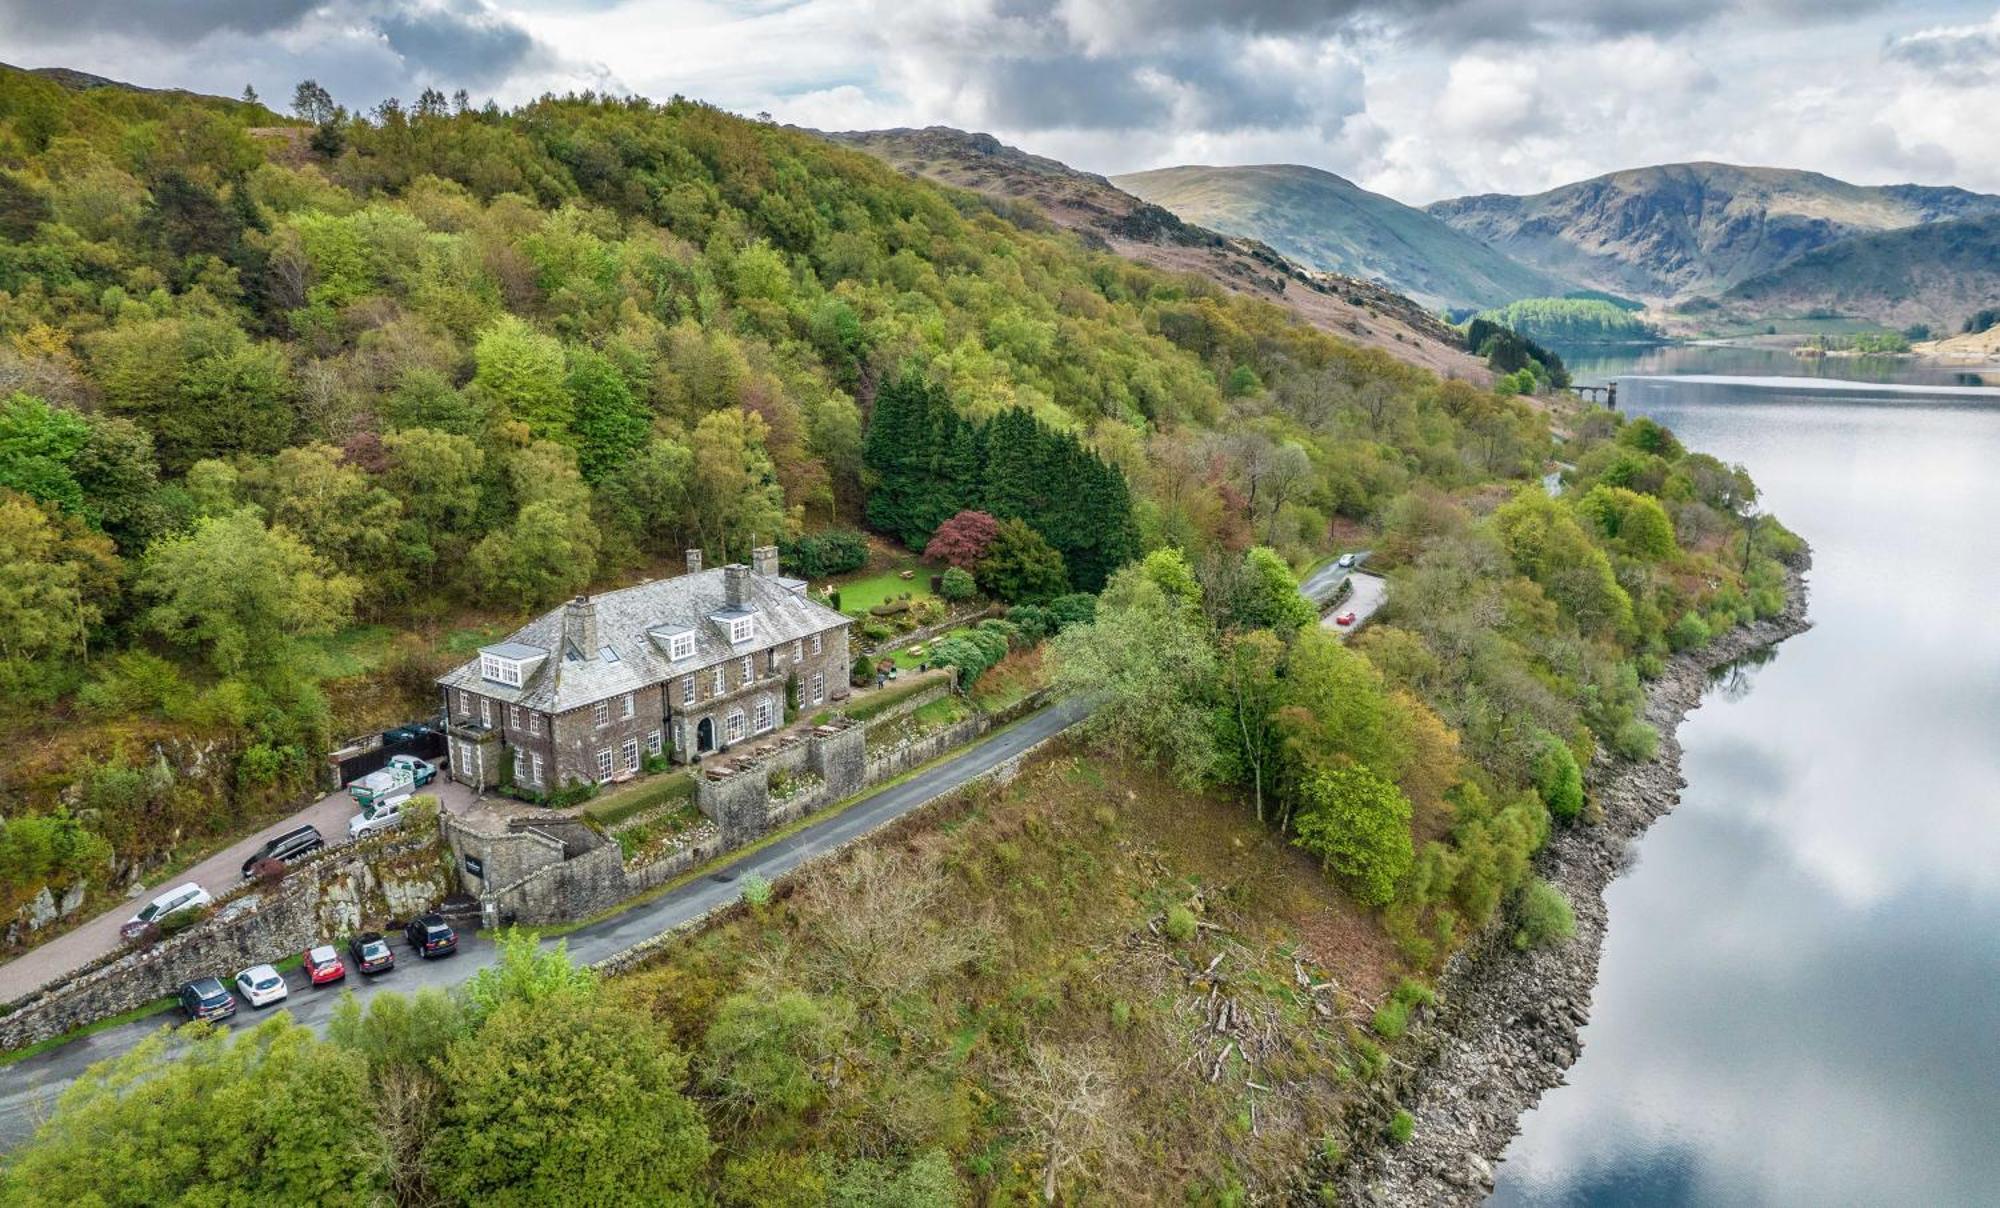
(392, 781)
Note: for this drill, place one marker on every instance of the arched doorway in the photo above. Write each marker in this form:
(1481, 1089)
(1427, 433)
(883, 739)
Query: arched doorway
(704, 736)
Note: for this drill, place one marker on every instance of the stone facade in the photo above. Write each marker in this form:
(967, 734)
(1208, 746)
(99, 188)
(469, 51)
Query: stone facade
(576, 719)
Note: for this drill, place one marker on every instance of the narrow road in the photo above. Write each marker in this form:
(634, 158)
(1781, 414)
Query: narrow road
(1320, 585)
(29, 1087)
(1368, 596)
(74, 949)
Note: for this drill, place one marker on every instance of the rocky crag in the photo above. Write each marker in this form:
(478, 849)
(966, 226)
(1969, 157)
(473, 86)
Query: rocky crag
(1508, 1023)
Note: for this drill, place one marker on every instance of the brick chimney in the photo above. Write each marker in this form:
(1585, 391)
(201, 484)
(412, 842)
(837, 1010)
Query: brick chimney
(764, 561)
(694, 561)
(736, 585)
(580, 626)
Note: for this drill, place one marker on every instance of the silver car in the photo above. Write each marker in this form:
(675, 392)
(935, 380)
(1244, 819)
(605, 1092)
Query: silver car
(182, 897)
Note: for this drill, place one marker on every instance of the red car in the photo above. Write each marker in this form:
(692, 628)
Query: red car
(1345, 618)
(322, 965)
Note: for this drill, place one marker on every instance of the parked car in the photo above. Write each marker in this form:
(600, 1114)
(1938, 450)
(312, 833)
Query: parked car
(205, 998)
(1345, 618)
(404, 734)
(183, 897)
(377, 816)
(322, 965)
(422, 771)
(431, 936)
(371, 953)
(292, 845)
(261, 986)
(1345, 561)
(392, 781)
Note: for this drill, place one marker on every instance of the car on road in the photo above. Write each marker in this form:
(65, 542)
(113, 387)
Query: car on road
(261, 986)
(294, 844)
(371, 953)
(1345, 618)
(1344, 561)
(182, 897)
(322, 965)
(377, 816)
(206, 998)
(422, 771)
(431, 936)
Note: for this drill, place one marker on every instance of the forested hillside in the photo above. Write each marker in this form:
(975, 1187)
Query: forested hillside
(288, 404)
(1573, 321)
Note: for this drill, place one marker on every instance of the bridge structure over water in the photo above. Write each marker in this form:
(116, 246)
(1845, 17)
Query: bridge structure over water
(1606, 394)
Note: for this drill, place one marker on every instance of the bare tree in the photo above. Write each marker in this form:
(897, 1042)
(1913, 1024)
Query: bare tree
(1065, 1101)
(884, 925)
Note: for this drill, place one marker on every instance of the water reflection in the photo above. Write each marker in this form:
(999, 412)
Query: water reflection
(1799, 1001)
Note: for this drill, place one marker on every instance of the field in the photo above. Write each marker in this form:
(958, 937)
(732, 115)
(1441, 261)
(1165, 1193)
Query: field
(865, 589)
(1091, 941)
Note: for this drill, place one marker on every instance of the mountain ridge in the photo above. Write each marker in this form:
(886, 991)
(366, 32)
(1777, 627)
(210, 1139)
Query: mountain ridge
(1668, 232)
(1324, 220)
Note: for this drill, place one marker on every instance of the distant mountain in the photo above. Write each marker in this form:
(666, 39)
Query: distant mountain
(1681, 230)
(1936, 274)
(1109, 217)
(1330, 223)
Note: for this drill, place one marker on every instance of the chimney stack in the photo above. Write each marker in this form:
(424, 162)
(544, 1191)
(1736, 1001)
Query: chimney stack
(580, 626)
(736, 585)
(764, 561)
(694, 561)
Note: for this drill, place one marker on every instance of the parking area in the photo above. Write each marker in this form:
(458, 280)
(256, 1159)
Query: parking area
(224, 869)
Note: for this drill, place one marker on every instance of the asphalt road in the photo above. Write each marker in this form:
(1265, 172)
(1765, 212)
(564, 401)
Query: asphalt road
(1320, 585)
(1370, 591)
(29, 1087)
(76, 948)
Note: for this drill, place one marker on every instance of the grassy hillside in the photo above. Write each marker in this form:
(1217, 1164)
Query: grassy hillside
(1330, 223)
(1678, 230)
(1938, 275)
(1346, 305)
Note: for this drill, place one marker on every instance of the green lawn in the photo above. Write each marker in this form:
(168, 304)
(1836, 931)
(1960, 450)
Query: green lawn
(865, 591)
(905, 661)
(356, 650)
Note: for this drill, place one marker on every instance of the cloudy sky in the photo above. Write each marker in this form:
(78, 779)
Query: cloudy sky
(1417, 98)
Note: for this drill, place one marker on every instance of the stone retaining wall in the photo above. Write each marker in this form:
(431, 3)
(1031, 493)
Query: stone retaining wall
(371, 883)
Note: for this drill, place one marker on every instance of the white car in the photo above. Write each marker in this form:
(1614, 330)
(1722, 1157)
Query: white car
(182, 897)
(261, 986)
(377, 816)
(1346, 560)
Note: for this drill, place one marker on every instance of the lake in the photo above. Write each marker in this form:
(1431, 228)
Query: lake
(1799, 1000)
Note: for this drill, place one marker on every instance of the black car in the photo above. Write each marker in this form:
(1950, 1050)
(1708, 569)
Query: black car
(431, 936)
(207, 998)
(371, 953)
(291, 845)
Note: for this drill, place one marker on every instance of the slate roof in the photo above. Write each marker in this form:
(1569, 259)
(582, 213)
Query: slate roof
(633, 627)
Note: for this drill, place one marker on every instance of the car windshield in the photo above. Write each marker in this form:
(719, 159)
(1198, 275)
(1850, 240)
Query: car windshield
(266, 983)
(374, 948)
(320, 956)
(146, 915)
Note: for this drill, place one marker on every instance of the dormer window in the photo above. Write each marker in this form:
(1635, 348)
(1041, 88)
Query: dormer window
(500, 670)
(680, 646)
(739, 629)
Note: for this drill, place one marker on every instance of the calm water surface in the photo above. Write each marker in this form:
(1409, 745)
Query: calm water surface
(1799, 1000)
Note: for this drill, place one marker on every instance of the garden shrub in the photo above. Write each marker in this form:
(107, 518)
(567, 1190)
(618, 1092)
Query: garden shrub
(817, 555)
(956, 585)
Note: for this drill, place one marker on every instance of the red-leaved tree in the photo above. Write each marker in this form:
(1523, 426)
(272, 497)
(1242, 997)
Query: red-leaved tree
(962, 540)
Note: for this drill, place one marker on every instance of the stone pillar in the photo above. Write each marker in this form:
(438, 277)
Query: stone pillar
(841, 760)
(694, 561)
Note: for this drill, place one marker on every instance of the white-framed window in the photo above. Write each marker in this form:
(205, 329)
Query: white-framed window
(534, 768)
(761, 716)
(604, 764)
(735, 725)
(534, 723)
(601, 712)
(680, 646)
(818, 687)
(687, 689)
(748, 673)
(500, 670)
(740, 629)
(486, 712)
(514, 718)
(653, 743)
(681, 736)
(815, 643)
(631, 705)
(631, 754)
(798, 649)
(718, 678)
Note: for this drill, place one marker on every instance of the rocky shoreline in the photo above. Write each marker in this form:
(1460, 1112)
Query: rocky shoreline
(1508, 1022)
